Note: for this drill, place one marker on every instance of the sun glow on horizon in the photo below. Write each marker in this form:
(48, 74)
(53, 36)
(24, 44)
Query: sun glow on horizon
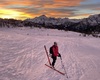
(80, 16)
(4, 13)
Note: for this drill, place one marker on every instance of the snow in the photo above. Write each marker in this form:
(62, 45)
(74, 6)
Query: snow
(22, 55)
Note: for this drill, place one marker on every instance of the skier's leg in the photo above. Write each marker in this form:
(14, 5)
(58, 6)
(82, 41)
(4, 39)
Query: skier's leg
(54, 60)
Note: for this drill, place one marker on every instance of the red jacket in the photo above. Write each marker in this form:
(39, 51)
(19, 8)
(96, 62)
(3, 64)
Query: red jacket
(55, 50)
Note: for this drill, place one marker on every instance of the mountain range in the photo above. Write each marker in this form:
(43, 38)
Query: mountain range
(90, 25)
(85, 25)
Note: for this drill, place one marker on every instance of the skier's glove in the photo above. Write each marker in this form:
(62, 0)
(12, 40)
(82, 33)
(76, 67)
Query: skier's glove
(59, 55)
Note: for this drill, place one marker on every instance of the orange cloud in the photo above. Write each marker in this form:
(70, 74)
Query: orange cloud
(52, 8)
(23, 2)
(65, 3)
(58, 15)
(43, 3)
(55, 13)
(68, 2)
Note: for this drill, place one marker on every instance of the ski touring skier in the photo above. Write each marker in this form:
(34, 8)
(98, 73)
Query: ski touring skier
(54, 53)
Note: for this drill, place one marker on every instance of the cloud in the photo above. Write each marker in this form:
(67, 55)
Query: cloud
(57, 3)
(43, 3)
(67, 3)
(53, 8)
(97, 8)
(90, 6)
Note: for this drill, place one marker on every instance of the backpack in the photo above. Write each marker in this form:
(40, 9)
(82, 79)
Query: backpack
(50, 50)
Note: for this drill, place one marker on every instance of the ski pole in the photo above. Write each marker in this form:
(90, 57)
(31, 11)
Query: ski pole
(63, 67)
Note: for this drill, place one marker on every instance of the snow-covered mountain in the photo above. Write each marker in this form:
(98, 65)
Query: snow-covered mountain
(94, 19)
(55, 21)
(87, 25)
(22, 55)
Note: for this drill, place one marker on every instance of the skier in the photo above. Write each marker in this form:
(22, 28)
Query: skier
(54, 53)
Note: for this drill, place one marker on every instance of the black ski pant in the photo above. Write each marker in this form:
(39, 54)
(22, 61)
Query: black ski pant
(54, 60)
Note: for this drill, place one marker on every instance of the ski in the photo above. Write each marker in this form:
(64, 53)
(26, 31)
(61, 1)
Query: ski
(55, 69)
(47, 55)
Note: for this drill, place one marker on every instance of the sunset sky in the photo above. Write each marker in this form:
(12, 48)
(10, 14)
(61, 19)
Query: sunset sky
(23, 9)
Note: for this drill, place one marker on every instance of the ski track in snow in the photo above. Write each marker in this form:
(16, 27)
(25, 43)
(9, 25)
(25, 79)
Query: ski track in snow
(22, 55)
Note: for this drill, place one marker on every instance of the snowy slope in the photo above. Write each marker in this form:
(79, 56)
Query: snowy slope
(22, 55)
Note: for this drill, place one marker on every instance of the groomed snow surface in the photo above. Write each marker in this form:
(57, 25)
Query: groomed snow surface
(22, 55)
